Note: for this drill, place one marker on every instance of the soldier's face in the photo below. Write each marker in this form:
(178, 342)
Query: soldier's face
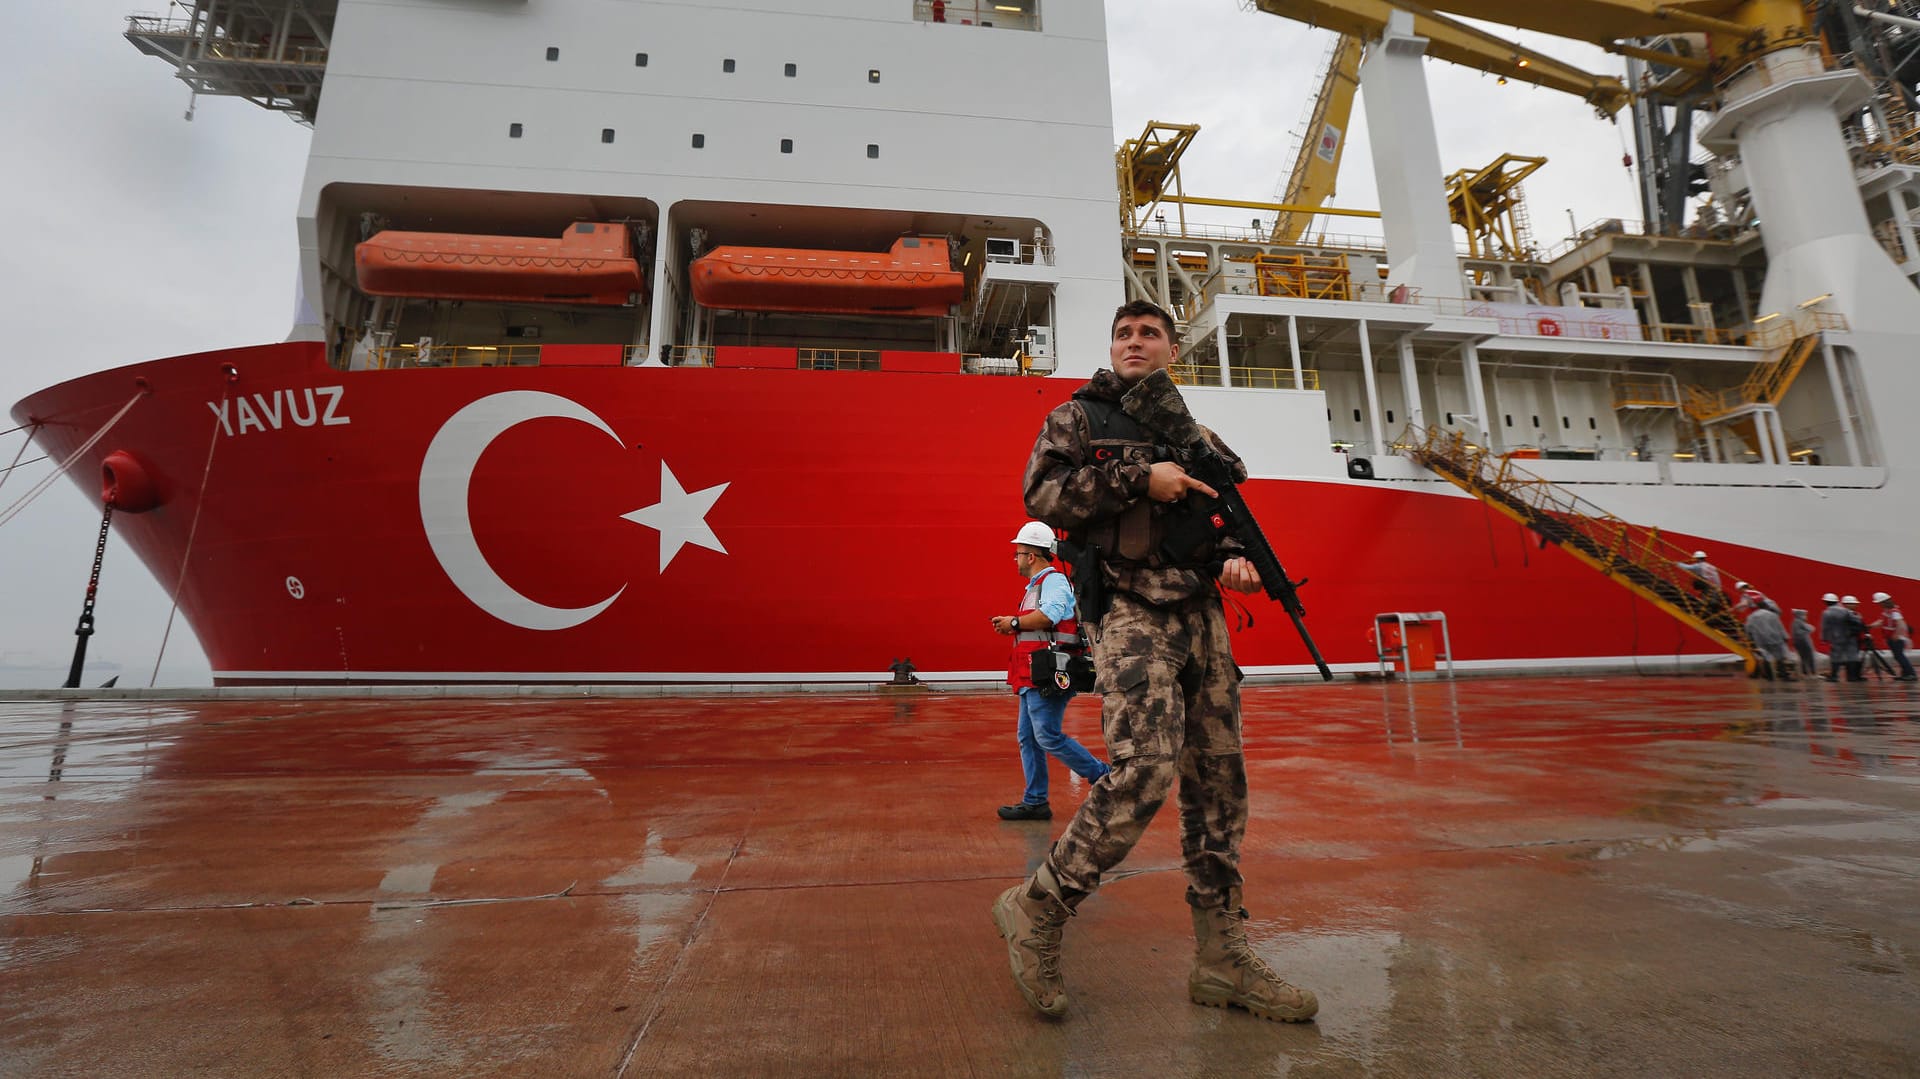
(1140, 347)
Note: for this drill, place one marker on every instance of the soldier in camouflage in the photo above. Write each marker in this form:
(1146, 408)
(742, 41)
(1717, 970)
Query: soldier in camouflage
(1165, 666)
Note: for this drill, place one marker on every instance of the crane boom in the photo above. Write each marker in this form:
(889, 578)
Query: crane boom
(1458, 43)
(1736, 31)
(1317, 167)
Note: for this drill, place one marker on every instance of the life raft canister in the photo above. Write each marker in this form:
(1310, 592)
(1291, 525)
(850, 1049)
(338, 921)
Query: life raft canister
(126, 484)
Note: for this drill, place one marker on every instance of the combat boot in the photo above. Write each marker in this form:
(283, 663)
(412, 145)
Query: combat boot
(1227, 972)
(1030, 915)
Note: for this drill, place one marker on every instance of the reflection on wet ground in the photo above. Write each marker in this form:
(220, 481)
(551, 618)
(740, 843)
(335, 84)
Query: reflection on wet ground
(1604, 876)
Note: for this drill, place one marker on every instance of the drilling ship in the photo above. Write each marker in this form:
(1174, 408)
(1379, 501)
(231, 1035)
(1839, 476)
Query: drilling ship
(655, 342)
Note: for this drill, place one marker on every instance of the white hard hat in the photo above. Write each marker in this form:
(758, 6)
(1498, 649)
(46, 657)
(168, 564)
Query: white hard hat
(1881, 597)
(1849, 599)
(1699, 556)
(1741, 585)
(1035, 534)
(1829, 598)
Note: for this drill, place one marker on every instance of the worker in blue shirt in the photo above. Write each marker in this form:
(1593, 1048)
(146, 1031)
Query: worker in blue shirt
(1044, 622)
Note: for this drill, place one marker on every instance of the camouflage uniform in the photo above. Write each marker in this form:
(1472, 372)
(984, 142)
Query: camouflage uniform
(1163, 661)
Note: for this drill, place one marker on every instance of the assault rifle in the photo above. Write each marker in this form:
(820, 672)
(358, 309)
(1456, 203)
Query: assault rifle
(1155, 404)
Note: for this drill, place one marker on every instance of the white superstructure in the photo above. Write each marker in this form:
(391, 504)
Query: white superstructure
(835, 124)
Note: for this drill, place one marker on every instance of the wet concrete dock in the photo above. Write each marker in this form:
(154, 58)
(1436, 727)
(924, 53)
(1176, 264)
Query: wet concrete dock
(1607, 876)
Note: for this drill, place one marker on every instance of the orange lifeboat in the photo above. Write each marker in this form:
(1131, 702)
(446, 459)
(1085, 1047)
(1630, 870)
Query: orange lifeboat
(914, 278)
(592, 263)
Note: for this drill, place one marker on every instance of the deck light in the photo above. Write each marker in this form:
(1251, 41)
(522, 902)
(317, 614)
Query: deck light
(1768, 317)
(1824, 296)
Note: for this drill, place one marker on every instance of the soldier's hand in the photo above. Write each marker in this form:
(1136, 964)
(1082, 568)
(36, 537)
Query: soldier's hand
(1168, 482)
(1239, 575)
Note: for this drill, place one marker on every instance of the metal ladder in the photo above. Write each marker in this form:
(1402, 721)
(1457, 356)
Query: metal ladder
(1636, 558)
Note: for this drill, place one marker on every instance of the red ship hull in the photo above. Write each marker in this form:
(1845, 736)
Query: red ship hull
(480, 525)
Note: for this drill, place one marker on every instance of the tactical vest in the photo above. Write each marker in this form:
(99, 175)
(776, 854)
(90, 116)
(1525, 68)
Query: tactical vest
(1136, 536)
(1064, 633)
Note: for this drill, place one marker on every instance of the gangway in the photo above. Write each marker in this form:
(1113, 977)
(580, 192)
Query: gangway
(1639, 559)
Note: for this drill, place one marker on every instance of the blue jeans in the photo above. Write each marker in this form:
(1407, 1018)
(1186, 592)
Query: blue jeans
(1899, 649)
(1040, 735)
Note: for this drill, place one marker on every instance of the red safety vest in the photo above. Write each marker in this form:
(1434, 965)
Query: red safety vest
(1027, 642)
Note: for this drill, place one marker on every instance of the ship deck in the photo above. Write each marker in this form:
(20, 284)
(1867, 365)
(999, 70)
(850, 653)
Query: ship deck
(1597, 876)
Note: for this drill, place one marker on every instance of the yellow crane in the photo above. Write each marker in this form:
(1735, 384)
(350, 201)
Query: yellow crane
(1317, 166)
(1707, 39)
(1459, 43)
(1487, 203)
(1148, 170)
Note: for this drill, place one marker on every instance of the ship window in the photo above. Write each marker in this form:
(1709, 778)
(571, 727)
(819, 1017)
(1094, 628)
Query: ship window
(553, 52)
(699, 141)
(1449, 417)
(1509, 418)
(513, 131)
(873, 149)
(786, 146)
(606, 134)
(1389, 415)
(1356, 415)
(873, 74)
(1566, 423)
(727, 66)
(1536, 422)
(1592, 424)
(639, 59)
(792, 70)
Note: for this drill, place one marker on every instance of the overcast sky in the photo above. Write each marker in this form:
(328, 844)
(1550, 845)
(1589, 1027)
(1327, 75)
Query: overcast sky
(134, 234)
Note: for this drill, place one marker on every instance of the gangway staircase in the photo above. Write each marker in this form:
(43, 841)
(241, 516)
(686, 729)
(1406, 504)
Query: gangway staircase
(1739, 409)
(1638, 559)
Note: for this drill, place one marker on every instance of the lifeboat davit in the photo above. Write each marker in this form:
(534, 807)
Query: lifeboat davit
(592, 263)
(914, 278)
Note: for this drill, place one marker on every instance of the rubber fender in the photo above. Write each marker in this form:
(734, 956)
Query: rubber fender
(1359, 468)
(126, 484)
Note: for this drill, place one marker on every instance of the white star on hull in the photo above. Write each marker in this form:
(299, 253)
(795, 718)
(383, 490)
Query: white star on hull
(680, 517)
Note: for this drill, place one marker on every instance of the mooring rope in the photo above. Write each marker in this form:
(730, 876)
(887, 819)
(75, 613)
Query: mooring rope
(13, 511)
(24, 443)
(199, 503)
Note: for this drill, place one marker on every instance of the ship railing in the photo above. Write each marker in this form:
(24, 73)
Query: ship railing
(399, 356)
(839, 359)
(1031, 254)
(973, 363)
(1261, 235)
(1686, 333)
(221, 45)
(1246, 378)
(1807, 322)
(1661, 394)
(974, 13)
(1273, 378)
(1583, 329)
(681, 356)
(1195, 374)
(159, 25)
